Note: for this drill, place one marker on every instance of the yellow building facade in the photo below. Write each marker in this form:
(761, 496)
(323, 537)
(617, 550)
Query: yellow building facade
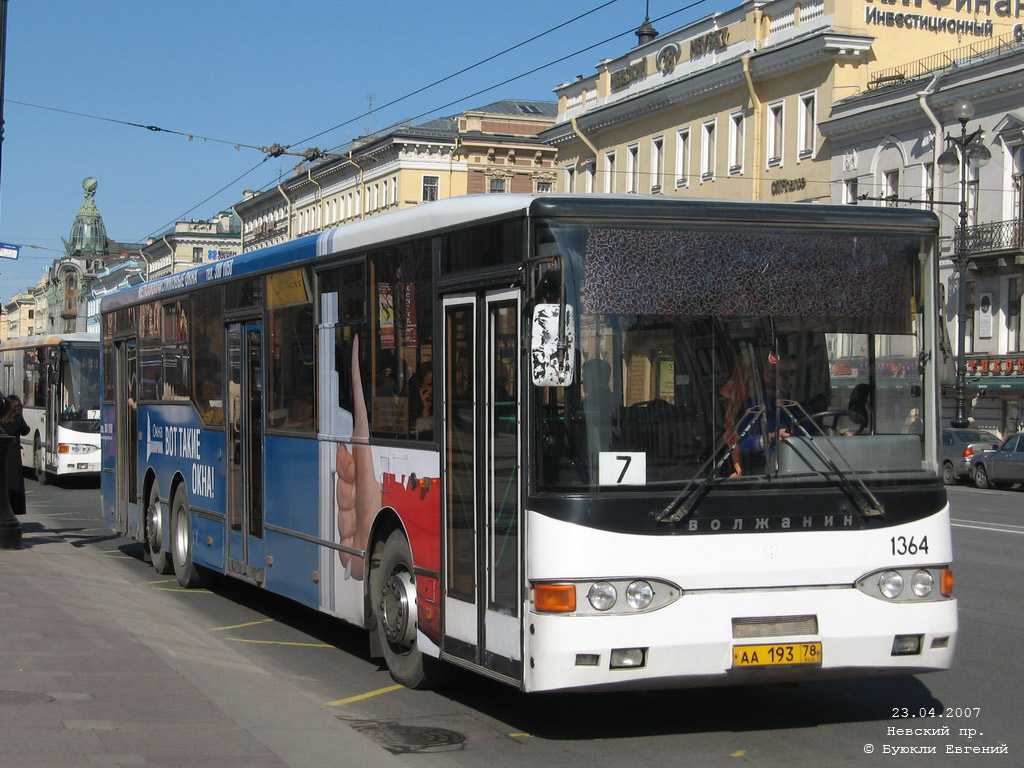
(728, 106)
(493, 149)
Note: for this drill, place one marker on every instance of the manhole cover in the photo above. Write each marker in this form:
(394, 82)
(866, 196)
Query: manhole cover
(402, 739)
(18, 698)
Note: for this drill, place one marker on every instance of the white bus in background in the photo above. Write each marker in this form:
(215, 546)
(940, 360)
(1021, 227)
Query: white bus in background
(57, 377)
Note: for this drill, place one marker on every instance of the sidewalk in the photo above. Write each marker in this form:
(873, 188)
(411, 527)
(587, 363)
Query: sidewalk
(88, 676)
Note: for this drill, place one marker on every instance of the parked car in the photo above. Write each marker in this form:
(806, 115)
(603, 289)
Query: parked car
(959, 447)
(1001, 467)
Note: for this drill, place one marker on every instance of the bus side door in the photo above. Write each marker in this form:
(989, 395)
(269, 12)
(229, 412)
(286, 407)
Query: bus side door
(482, 493)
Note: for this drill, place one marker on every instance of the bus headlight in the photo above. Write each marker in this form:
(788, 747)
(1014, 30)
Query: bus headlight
(602, 596)
(75, 448)
(922, 583)
(908, 585)
(639, 595)
(890, 584)
(642, 595)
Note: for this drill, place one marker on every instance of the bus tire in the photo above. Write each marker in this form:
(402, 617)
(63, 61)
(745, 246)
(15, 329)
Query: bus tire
(153, 523)
(395, 617)
(39, 462)
(181, 541)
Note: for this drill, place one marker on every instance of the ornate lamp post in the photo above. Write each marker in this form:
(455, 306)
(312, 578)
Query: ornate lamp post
(961, 152)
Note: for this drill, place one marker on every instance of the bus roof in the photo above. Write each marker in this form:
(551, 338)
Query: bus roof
(441, 215)
(49, 340)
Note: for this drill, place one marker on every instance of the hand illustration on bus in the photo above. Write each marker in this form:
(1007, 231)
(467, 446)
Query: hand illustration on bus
(357, 494)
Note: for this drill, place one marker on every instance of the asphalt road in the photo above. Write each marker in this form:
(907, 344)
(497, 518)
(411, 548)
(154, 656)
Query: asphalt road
(475, 722)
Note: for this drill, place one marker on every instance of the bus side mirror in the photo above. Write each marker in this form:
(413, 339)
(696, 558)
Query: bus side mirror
(553, 346)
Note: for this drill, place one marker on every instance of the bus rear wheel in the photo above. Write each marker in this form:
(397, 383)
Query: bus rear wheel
(395, 616)
(181, 541)
(158, 556)
(39, 462)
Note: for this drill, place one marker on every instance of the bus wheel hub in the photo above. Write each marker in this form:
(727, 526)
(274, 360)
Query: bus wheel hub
(398, 609)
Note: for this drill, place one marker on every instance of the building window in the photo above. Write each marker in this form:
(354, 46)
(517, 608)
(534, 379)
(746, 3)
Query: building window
(591, 175)
(197, 254)
(657, 162)
(633, 168)
(850, 192)
(683, 157)
(609, 177)
(1013, 297)
(707, 151)
(543, 187)
(736, 143)
(570, 179)
(807, 127)
(928, 193)
(970, 307)
(431, 185)
(497, 186)
(892, 188)
(776, 133)
(972, 197)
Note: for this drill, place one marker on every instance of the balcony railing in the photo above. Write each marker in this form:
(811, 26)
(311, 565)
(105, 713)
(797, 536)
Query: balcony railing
(994, 236)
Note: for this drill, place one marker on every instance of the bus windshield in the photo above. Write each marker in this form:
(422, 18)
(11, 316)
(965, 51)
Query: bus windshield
(78, 390)
(708, 354)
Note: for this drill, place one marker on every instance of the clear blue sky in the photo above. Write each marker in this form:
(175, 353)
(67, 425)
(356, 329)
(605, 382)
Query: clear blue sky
(253, 72)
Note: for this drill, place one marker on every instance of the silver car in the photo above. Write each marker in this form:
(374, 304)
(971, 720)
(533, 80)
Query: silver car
(1001, 467)
(959, 446)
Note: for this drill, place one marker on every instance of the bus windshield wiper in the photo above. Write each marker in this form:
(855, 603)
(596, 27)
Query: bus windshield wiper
(864, 500)
(678, 508)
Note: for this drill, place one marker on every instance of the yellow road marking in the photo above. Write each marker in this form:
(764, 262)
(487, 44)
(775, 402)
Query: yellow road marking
(521, 735)
(279, 642)
(739, 753)
(112, 556)
(161, 581)
(189, 591)
(360, 697)
(239, 626)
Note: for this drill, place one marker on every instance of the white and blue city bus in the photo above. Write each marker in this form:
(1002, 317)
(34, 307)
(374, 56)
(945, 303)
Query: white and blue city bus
(57, 377)
(568, 442)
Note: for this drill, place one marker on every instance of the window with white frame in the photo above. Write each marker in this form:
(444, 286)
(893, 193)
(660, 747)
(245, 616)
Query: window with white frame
(570, 179)
(632, 168)
(1013, 300)
(591, 183)
(892, 187)
(928, 193)
(431, 186)
(707, 151)
(683, 157)
(972, 196)
(736, 142)
(657, 162)
(1018, 186)
(543, 187)
(776, 132)
(808, 131)
(497, 185)
(609, 174)
(850, 191)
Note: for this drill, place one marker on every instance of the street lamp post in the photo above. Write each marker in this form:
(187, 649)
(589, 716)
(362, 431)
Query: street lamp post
(971, 153)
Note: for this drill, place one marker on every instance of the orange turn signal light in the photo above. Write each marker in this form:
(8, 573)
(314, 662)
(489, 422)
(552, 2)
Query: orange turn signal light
(946, 583)
(555, 598)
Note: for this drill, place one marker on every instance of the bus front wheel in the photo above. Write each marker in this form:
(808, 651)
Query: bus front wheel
(39, 462)
(181, 541)
(396, 615)
(154, 534)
